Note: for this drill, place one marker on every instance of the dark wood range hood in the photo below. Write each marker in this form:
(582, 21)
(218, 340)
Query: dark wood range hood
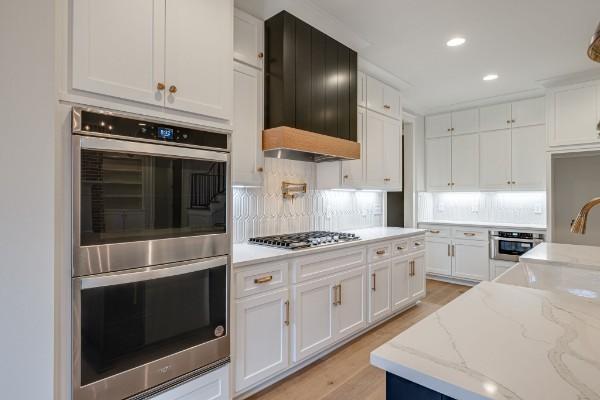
(310, 93)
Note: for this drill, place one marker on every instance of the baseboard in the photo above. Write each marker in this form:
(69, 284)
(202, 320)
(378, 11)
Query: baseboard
(305, 363)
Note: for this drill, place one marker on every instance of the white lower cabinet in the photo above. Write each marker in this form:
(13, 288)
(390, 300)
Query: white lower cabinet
(471, 260)
(211, 386)
(380, 301)
(262, 323)
(327, 310)
(287, 311)
(464, 254)
(498, 267)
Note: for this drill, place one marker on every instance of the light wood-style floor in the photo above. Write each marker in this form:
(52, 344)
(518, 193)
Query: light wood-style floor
(346, 373)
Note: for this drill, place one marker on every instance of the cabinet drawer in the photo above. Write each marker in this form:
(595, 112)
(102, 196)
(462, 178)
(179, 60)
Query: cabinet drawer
(400, 247)
(327, 263)
(260, 278)
(470, 233)
(380, 251)
(437, 231)
(417, 244)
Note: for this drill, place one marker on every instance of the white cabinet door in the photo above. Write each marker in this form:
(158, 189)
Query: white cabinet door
(400, 283)
(261, 337)
(529, 158)
(471, 260)
(246, 154)
(495, 160)
(438, 125)
(466, 121)
(438, 258)
(361, 89)
(379, 294)
(248, 39)
(465, 162)
(199, 57)
(392, 105)
(417, 281)
(438, 153)
(312, 321)
(529, 112)
(575, 116)
(374, 159)
(375, 94)
(392, 153)
(352, 171)
(211, 386)
(498, 267)
(494, 117)
(350, 311)
(118, 48)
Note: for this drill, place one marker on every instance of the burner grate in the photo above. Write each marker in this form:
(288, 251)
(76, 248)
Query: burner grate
(303, 240)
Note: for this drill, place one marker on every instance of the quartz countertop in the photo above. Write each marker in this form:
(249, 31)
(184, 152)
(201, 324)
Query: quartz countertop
(500, 341)
(247, 254)
(564, 254)
(487, 224)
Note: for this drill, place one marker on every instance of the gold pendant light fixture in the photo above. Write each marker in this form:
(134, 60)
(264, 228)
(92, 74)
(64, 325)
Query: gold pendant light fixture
(594, 49)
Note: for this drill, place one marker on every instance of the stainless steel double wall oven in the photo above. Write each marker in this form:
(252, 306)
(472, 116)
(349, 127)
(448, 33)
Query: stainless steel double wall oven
(151, 245)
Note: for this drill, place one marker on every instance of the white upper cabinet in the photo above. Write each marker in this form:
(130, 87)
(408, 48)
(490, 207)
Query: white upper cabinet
(495, 160)
(438, 156)
(197, 65)
(528, 112)
(495, 117)
(374, 159)
(465, 162)
(574, 115)
(361, 89)
(466, 121)
(247, 155)
(248, 42)
(383, 99)
(392, 153)
(118, 48)
(529, 158)
(438, 125)
(175, 54)
(352, 171)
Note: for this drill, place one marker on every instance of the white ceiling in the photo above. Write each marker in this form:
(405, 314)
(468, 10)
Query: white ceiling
(526, 42)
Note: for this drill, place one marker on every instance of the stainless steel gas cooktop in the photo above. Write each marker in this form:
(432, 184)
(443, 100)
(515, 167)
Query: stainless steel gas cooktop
(303, 240)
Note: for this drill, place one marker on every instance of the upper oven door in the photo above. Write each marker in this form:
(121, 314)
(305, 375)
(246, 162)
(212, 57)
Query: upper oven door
(140, 204)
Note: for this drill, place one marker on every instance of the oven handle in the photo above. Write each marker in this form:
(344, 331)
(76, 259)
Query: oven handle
(124, 146)
(533, 241)
(150, 273)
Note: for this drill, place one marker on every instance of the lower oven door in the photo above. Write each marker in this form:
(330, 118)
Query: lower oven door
(510, 249)
(137, 329)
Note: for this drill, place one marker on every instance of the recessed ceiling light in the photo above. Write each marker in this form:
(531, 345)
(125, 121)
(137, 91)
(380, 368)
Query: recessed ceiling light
(457, 41)
(490, 77)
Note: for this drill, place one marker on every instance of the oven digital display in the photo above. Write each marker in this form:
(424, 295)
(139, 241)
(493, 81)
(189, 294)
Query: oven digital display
(165, 133)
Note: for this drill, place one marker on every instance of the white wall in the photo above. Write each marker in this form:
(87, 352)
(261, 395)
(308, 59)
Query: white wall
(27, 200)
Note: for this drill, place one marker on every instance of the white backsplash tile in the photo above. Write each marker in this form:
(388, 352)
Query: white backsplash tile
(503, 207)
(263, 211)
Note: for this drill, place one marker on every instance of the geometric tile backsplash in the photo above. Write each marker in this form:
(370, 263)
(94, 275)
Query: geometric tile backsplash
(260, 211)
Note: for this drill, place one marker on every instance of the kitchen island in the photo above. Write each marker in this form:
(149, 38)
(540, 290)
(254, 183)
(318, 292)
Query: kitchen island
(533, 333)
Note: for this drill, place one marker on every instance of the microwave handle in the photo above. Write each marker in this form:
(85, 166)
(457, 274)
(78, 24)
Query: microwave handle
(147, 274)
(124, 146)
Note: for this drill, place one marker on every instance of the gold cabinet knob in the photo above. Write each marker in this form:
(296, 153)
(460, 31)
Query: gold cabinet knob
(160, 86)
(508, 182)
(260, 169)
(172, 89)
(261, 55)
(387, 179)
(386, 106)
(346, 176)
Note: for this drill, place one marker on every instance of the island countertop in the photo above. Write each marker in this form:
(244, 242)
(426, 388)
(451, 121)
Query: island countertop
(499, 341)
(246, 254)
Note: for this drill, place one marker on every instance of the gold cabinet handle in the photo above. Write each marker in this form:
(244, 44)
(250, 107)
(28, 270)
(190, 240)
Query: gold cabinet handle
(160, 86)
(264, 279)
(400, 248)
(337, 295)
(261, 55)
(373, 282)
(286, 321)
(387, 179)
(172, 89)
(417, 244)
(380, 252)
(513, 121)
(412, 269)
(513, 183)
(469, 234)
(340, 294)
(435, 231)
(508, 182)
(346, 177)
(508, 121)
(449, 251)
(260, 169)
(386, 106)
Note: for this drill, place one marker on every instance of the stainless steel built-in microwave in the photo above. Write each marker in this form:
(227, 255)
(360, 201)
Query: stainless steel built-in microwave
(151, 264)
